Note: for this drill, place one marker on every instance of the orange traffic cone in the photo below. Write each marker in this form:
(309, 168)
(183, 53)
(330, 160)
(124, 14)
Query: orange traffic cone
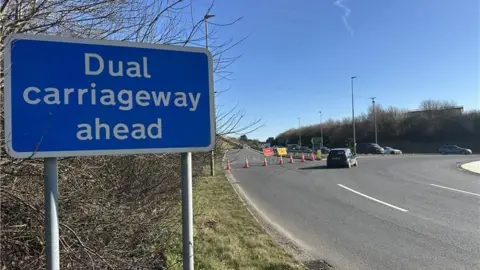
(246, 163)
(228, 165)
(265, 161)
(303, 158)
(281, 160)
(312, 157)
(291, 159)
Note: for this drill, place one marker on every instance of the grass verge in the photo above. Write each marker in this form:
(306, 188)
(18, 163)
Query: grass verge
(226, 236)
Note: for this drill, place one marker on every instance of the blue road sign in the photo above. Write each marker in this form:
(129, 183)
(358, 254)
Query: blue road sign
(76, 97)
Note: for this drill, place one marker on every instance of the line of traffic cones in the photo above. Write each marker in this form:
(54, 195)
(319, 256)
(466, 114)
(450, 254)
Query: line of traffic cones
(265, 162)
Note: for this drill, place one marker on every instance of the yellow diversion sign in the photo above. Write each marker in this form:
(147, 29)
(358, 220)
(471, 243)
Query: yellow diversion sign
(282, 151)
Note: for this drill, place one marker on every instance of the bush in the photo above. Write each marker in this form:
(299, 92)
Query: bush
(116, 212)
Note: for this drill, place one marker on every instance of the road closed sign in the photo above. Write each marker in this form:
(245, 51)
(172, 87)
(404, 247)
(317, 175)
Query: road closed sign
(268, 152)
(75, 97)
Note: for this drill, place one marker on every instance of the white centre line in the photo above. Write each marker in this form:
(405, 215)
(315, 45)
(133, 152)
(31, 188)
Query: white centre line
(373, 199)
(457, 190)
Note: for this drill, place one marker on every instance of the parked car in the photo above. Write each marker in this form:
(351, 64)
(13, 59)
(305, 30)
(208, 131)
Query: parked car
(292, 146)
(392, 151)
(325, 150)
(341, 157)
(454, 149)
(305, 149)
(369, 148)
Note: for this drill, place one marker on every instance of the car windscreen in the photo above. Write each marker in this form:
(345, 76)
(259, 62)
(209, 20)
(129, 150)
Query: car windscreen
(337, 152)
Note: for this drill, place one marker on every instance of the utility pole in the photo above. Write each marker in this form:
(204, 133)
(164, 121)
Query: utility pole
(212, 155)
(353, 120)
(300, 133)
(321, 130)
(374, 118)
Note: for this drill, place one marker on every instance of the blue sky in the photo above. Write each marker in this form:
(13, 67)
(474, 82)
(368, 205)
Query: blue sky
(298, 58)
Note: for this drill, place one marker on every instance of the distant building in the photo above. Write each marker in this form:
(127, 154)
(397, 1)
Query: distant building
(451, 111)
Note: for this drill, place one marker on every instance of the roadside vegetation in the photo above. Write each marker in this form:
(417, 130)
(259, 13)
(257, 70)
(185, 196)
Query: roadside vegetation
(226, 236)
(116, 212)
(434, 123)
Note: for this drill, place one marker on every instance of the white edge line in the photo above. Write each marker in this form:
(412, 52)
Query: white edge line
(266, 222)
(373, 199)
(457, 190)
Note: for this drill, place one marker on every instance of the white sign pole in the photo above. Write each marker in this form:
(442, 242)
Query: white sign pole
(50, 178)
(187, 211)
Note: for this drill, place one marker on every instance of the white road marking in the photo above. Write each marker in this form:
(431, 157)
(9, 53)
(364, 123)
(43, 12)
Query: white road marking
(373, 199)
(457, 190)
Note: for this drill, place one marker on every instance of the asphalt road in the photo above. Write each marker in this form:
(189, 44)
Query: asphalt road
(391, 212)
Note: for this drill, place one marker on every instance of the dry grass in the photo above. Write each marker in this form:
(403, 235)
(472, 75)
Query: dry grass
(225, 234)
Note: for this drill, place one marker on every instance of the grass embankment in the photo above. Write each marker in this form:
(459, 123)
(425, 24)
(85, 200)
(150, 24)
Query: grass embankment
(226, 236)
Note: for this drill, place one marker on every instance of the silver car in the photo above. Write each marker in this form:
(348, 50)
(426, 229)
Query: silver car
(454, 149)
(393, 151)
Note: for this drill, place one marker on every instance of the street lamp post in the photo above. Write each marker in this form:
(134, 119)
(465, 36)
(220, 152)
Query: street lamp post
(353, 120)
(374, 119)
(212, 155)
(321, 130)
(300, 133)
(205, 18)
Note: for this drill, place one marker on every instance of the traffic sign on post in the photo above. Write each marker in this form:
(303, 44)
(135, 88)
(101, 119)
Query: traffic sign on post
(76, 97)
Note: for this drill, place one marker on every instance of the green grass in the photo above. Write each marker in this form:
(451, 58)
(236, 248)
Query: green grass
(226, 236)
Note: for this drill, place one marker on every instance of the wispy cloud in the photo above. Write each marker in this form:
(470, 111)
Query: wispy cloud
(346, 13)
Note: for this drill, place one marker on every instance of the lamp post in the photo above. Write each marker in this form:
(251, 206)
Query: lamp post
(321, 130)
(374, 119)
(300, 133)
(205, 18)
(212, 155)
(353, 120)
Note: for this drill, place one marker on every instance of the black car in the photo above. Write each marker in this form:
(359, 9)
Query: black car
(369, 148)
(341, 157)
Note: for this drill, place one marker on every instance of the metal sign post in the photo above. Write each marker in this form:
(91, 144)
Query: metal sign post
(50, 178)
(187, 211)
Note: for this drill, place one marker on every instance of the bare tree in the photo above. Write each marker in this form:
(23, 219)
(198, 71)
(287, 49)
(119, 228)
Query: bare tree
(433, 105)
(116, 212)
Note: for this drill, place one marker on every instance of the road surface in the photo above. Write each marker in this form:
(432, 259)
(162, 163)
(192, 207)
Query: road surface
(392, 212)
